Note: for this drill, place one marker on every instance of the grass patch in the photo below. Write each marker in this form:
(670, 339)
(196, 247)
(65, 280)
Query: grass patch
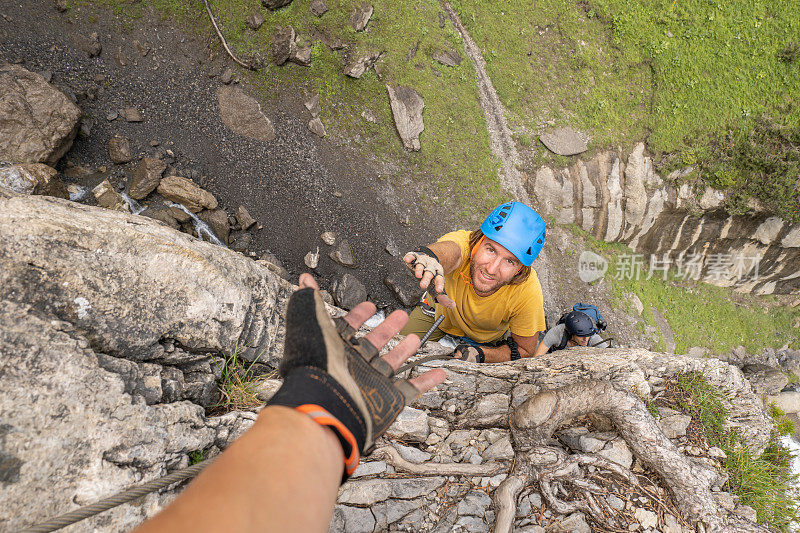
(699, 314)
(763, 482)
(692, 78)
(237, 383)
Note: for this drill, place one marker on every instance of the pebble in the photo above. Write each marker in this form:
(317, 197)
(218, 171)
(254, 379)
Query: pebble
(112, 115)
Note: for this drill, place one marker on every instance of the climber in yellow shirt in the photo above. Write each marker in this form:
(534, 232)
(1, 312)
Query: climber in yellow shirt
(493, 300)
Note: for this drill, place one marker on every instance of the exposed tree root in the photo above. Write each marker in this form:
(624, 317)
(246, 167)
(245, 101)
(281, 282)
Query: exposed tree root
(563, 480)
(224, 43)
(392, 456)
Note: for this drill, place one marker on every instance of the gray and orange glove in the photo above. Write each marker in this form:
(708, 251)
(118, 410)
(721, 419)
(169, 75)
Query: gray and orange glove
(426, 267)
(469, 353)
(340, 381)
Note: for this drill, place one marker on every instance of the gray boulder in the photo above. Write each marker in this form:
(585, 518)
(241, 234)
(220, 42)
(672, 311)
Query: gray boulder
(217, 220)
(56, 456)
(318, 7)
(360, 16)
(448, 58)
(343, 254)
(37, 121)
(119, 150)
(243, 115)
(564, 141)
(765, 380)
(204, 297)
(146, 177)
(185, 191)
(357, 66)
(32, 178)
(407, 106)
(348, 291)
(108, 197)
(275, 4)
(255, 20)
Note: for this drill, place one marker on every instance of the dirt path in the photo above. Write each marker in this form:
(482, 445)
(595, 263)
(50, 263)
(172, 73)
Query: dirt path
(502, 143)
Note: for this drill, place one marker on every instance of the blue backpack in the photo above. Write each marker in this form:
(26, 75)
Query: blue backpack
(589, 309)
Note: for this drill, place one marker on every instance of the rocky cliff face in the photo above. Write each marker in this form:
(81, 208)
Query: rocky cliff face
(627, 201)
(111, 320)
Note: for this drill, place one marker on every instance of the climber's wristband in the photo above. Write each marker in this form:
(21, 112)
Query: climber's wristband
(314, 392)
(512, 344)
(427, 251)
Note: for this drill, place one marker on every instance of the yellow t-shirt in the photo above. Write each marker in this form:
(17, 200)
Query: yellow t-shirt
(486, 318)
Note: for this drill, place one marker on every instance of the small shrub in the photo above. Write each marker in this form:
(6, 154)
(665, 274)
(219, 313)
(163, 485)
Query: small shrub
(197, 456)
(237, 382)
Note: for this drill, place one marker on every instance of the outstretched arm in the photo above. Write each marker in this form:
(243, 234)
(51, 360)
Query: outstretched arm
(282, 474)
(448, 255)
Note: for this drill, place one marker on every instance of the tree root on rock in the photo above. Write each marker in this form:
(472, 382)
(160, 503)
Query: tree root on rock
(392, 456)
(563, 480)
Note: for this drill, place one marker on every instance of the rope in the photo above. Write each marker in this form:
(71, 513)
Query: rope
(125, 496)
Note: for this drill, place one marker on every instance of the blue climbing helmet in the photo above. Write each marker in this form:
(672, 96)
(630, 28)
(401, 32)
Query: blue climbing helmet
(518, 228)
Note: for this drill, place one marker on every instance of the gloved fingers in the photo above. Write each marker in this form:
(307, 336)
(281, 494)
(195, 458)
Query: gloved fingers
(427, 277)
(307, 280)
(388, 328)
(405, 349)
(445, 301)
(428, 380)
(360, 313)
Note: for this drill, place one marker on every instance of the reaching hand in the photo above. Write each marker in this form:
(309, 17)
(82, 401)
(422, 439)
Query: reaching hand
(469, 353)
(428, 270)
(340, 380)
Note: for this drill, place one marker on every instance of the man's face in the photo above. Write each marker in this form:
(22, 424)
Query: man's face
(491, 267)
(580, 341)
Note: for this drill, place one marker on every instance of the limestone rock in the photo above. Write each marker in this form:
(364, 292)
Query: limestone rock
(564, 141)
(37, 121)
(120, 442)
(318, 7)
(406, 290)
(788, 402)
(275, 4)
(255, 20)
(411, 426)
(343, 254)
(407, 106)
(184, 191)
(163, 215)
(448, 58)
(348, 291)
(360, 16)
(90, 45)
(244, 218)
(673, 423)
(119, 150)
(130, 114)
(328, 237)
(646, 519)
(109, 198)
(316, 127)
(617, 451)
(217, 220)
(227, 77)
(220, 299)
(146, 177)
(358, 65)
(312, 259)
(765, 380)
(312, 104)
(32, 178)
(243, 115)
(283, 45)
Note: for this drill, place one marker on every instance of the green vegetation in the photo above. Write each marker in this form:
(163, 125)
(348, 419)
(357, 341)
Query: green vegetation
(698, 313)
(693, 78)
(763, 482)
(197, 456)
(237, 382)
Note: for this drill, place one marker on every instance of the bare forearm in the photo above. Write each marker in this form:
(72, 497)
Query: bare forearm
(282, 475)
(448, 253)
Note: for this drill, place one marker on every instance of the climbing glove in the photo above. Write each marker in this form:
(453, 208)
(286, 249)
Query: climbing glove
(423, 260)
(338, 380)
(469, 353)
